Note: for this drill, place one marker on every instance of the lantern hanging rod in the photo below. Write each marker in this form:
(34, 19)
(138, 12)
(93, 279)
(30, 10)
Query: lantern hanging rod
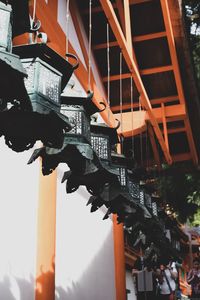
(122, 41)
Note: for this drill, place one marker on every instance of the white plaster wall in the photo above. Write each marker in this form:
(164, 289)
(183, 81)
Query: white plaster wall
(84, 248)
(18, 207)
(130, 286)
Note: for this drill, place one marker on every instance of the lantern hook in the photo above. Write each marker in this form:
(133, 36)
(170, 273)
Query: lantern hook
(73, 56)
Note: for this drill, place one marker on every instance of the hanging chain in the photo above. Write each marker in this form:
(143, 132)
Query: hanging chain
(141, 145)
(108, 66)
(90, 44)
(120, 92)
(132, 137)
(34, 11)
(67, 28)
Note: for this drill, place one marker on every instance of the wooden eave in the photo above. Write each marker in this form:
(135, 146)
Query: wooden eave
(155, 31)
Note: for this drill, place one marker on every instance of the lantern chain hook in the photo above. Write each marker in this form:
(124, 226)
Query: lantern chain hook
(90, 44)
(67, 28)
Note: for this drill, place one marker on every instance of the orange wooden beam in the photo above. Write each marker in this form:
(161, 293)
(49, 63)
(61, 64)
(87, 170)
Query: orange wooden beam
(46, 239)
(164, 125)
(135, 39)
(174, 59)
(154, 146)
(57, 40)
(150, 36)
(111, 16)
(120, 277)
(136, 122)
(142, 72)
(128, 33)
(120, 8)
(153, 102)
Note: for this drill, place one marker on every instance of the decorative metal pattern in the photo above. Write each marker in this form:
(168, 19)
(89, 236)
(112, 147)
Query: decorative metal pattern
(142, 197)
(42, 79)
(148, 201)
(154, 209)
(78, 119)
(122, 176)
(100, 145)
(29, 81)
(49, 84)
(134, 190)
(5, 26)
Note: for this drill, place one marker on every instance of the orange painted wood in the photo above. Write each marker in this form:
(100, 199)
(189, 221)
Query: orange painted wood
(150, 36)
(165, 125)
(142, 72)
(46, 227)
(154, 146)
(153, 102)
(57, 40)
(111, 16)
(119, 251)
(135, 39)
(174, 59)
(120, 8)
(137, 124)
(128, 27)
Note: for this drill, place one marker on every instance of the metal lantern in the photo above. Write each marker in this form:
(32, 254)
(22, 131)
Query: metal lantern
(134, 190)
(47, 74)
(102, 140)
(76, 150)
(148, 201)
(19, 17)
(79, 110)
(154, 208)
(96, 174)
(5, 27)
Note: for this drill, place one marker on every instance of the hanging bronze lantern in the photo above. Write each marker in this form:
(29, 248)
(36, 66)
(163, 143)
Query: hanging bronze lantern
(5, 27)
(11, 68)
(95, 174)
(76, 150)
(20, 17)
(47, 73)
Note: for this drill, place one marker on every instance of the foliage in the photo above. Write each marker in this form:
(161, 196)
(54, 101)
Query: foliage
(180, 192)
(192, 9)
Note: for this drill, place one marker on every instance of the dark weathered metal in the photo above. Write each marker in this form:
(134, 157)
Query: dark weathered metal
(5, 27)
(76, 150)
(31, 111)
(49, 56)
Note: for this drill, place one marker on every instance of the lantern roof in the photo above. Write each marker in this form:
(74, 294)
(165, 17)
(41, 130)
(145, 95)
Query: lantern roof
(87, 103)
(101, 128)
(51, 57)
(119, 159)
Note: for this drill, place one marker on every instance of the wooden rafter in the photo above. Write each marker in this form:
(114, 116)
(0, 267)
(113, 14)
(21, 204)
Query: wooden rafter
(111, 16)
(174, 59)
(154, 145)
(120, 8)
(148, 71)
(135, 39)
(156, 101)
(164, 125)
(58, 37)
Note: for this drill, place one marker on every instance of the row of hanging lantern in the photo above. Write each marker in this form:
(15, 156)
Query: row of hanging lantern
(33, 109)
(30, 109)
